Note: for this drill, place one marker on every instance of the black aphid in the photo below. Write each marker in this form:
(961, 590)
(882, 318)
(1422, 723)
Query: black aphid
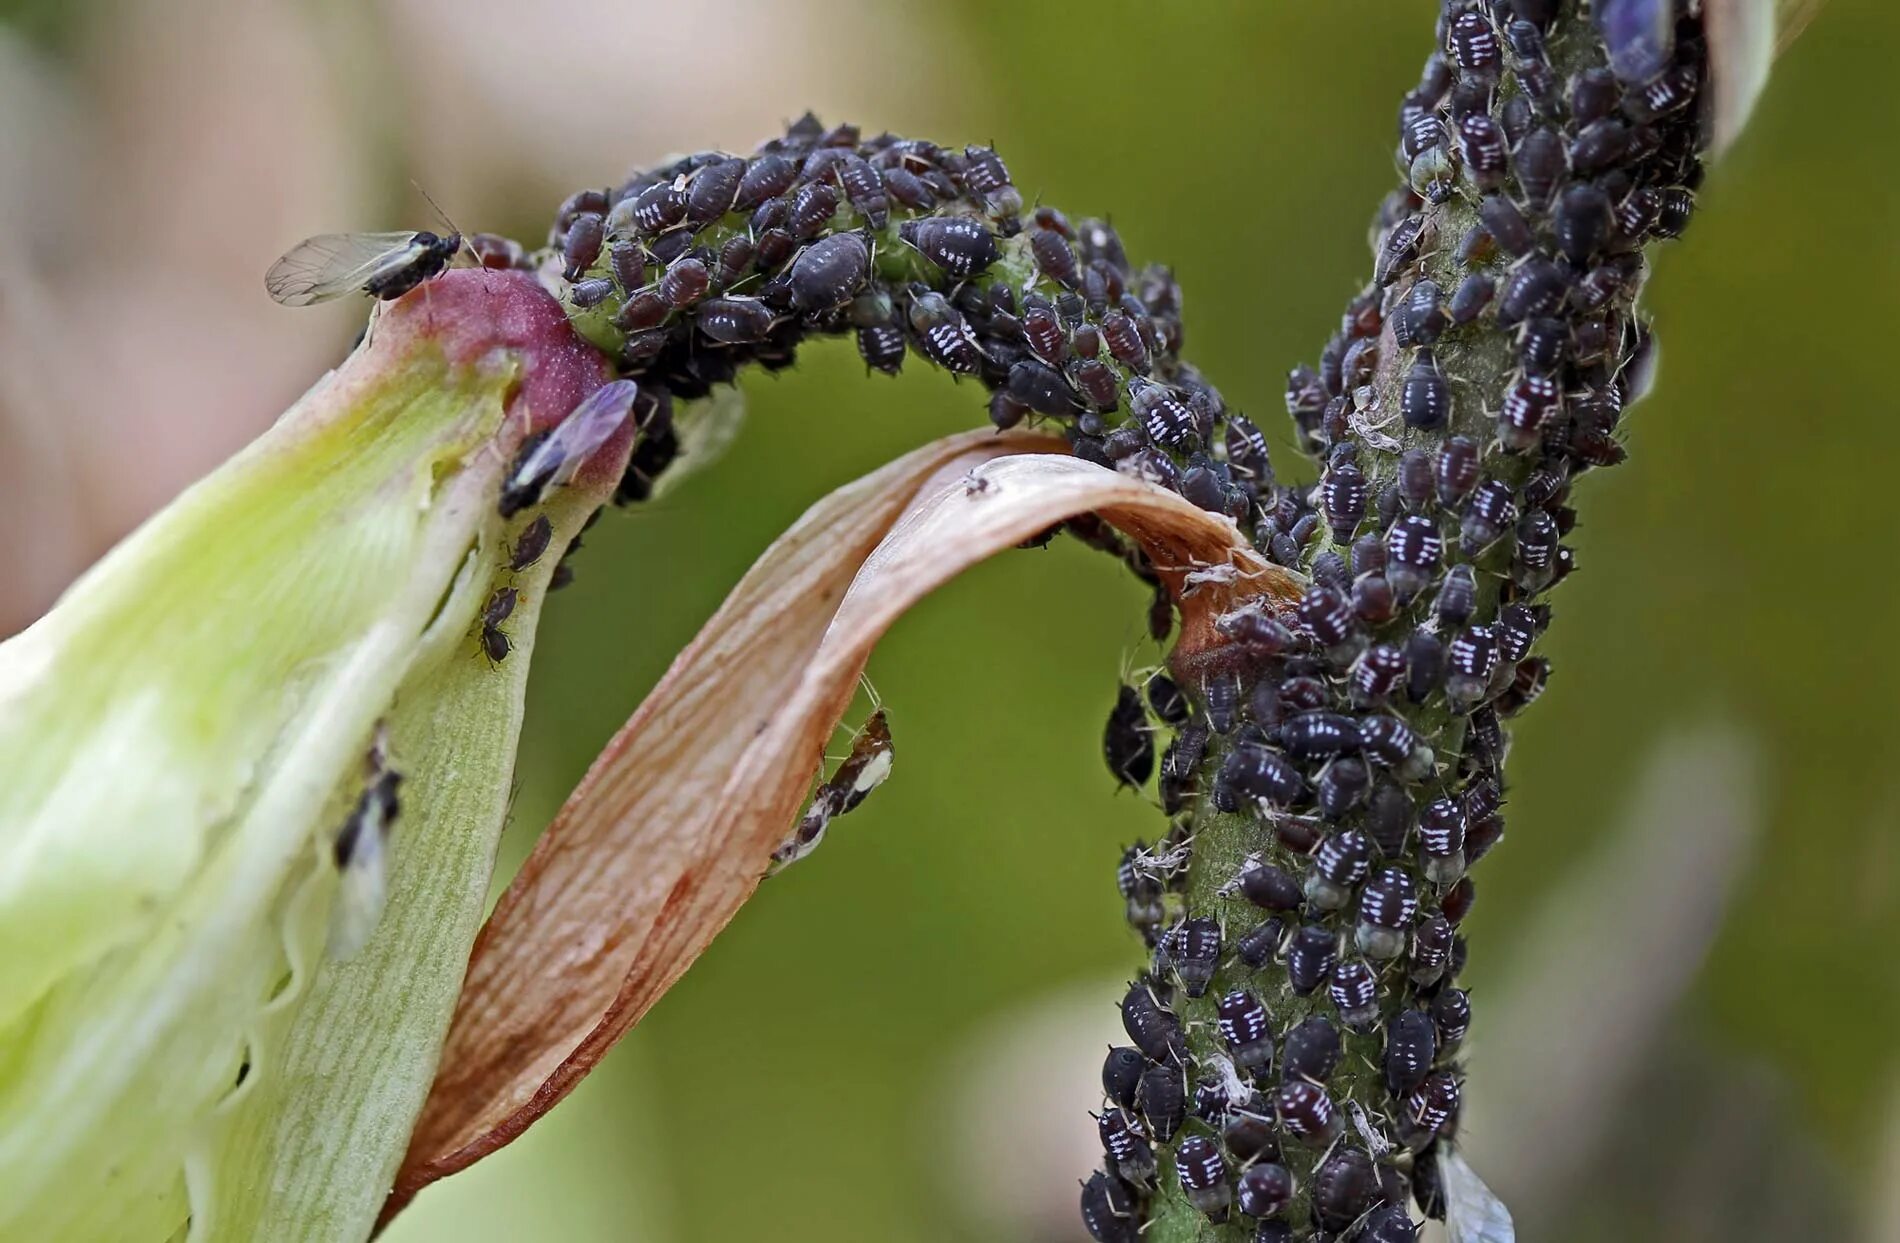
(1127, 742)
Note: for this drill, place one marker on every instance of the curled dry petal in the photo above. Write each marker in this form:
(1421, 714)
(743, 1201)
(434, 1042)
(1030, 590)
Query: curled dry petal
(672, 828)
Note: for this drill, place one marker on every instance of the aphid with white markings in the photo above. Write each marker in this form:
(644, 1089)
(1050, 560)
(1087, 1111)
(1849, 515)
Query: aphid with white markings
(1484, 145)
(1378, 671)
(1399, 249)
(1354, 992)
(1457, 469)
(1242, 1022)
(1153, 1027)
(1451, 1011)
(1471, 658)
(552, 458)
(1309, 958)
(942, 334)
(1473, 45)
(1168, 420)
(1397, 745)
(1425, 398)
(1411, 1046)
(1319, 735)
(1413, 550)
(1220, 694)
(1127, 1149)
(1194, 950)
(962, 247)
(1387, 906)
(590, 293)
(1387, 1223)
(1307, 1112)
(1430, 1110)
(1441, 835)
(1431, 947)
(361, 852)
(1492, 511)
(1527, 684)
(1327, 614)
(1536, 547)
(1265, 1190)
(866, 768)
(382, 265)
(1343, 1188)
(1108, 1209)
(1341, 786)
(1537, 287)
(1204, 1176)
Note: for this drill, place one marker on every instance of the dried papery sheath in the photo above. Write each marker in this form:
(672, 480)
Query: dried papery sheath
(228, 750)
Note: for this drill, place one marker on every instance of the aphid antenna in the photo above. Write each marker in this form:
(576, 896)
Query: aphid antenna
(444, 216)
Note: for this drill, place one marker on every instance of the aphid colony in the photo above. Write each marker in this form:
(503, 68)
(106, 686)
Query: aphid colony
(1294, 1041)
(690, 272)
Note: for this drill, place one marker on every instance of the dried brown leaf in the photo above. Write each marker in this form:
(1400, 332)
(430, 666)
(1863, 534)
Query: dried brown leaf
(673, 827)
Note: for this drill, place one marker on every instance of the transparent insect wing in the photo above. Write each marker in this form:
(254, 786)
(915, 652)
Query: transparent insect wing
(1473, 1212)
(586, 428)
(333, 264)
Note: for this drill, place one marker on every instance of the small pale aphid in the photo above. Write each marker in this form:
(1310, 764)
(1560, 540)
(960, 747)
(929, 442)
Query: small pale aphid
(866, 768)
(360, 851)
(382, 265)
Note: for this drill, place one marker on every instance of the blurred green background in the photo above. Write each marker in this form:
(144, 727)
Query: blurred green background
(896, 1040)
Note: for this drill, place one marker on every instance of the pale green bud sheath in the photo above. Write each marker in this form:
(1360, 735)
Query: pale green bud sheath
(182, 737)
